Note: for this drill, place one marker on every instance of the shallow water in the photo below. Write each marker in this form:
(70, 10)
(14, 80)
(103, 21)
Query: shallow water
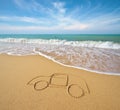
(92, 55)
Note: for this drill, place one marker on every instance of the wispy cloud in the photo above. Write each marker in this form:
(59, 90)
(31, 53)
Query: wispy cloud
(56, 17)
(31, 6)
(60, 7)
(58, 20)
(25, 19)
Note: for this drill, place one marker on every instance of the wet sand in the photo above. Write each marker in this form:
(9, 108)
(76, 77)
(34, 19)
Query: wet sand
(36, 83)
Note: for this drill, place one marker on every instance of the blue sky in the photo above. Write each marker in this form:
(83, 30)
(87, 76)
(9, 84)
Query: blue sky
(60, 16)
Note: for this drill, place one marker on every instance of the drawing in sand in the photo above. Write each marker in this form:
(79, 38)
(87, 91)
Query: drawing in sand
(75, 90)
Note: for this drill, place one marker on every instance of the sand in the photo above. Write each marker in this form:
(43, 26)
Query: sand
(36, 83)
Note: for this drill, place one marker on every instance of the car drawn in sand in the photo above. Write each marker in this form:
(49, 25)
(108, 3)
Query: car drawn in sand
(75, 89)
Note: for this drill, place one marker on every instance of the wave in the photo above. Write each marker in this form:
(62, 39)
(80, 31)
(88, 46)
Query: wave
(89, 70)
(99, 56)
(96, 44)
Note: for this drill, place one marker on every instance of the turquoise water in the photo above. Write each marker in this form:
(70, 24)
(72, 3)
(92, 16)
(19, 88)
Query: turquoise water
(91, 52)
(68, 37)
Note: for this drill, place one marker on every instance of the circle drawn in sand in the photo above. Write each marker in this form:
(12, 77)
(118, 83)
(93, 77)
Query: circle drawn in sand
(75, 91)
(41, 85)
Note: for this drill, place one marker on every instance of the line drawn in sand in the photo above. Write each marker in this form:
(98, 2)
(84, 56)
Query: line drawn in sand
(75, 90)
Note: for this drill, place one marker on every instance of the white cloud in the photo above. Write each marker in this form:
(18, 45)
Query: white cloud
(20, 3)
(56, 18)
(60, 7)
(26, 19)
(76, 27)
(42, 28)
(31, 6)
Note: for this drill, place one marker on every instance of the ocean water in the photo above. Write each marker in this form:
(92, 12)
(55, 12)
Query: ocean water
(99, 53)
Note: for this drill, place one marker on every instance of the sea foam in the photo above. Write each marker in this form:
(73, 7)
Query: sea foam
(96, 44)
(92, 55)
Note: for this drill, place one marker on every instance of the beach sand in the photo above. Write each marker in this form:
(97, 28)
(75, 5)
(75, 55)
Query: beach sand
(21, 76)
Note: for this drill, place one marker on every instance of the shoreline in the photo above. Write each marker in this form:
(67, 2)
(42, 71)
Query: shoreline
(80, 68)
(99, 57)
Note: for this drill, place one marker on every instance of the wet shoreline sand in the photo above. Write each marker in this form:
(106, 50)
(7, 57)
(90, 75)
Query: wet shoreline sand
(101, 92)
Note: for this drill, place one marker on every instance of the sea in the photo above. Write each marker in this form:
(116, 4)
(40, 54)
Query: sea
(98, 53)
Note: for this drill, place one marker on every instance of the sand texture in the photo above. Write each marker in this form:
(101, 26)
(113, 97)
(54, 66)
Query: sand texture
(36, 83)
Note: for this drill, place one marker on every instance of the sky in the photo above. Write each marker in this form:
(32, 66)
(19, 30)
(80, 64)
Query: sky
(60, 16)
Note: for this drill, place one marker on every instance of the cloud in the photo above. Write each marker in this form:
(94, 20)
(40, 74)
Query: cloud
(20, 3)
(23, 28)
(25, 19)
(60, 7)
(57, 20)
(42, 28)
(56, 16)
(31, 6)
(76, 27)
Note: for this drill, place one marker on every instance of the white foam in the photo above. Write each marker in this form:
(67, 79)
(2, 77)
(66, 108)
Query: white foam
(100, 57)
(50, 58)
(96, 44)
